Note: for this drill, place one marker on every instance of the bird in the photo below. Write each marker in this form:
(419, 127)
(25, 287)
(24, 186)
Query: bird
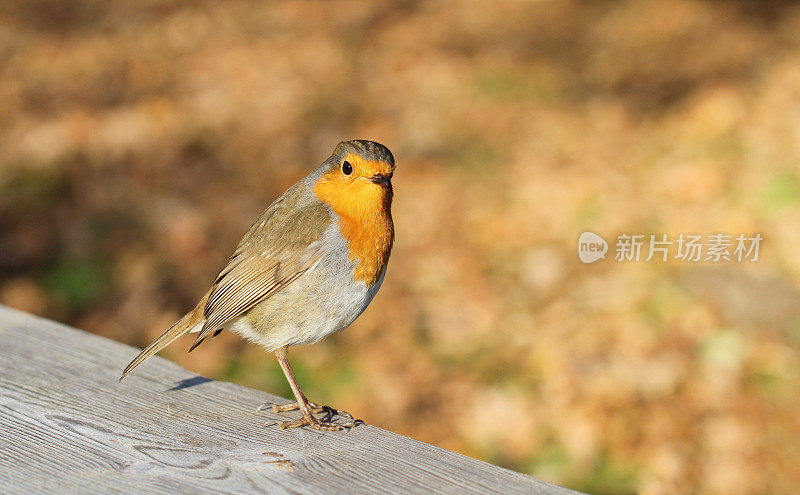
(308, 266)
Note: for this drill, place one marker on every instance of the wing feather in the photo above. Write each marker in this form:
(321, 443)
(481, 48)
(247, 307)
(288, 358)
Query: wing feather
(251, 280)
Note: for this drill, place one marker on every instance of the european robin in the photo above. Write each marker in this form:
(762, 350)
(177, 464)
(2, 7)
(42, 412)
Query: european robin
(308, 267)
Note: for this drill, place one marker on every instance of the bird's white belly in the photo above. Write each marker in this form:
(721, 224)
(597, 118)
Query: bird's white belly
(324, 301)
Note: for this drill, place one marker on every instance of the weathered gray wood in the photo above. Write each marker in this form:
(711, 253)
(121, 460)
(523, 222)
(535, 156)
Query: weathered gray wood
(67, 426)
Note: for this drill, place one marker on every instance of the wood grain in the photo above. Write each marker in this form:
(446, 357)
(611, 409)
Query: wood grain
(67, 426)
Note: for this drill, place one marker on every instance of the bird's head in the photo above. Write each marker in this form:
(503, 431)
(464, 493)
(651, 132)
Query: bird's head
(357, 179)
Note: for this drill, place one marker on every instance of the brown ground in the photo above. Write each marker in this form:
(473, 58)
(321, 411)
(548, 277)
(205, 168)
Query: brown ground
(139, 139)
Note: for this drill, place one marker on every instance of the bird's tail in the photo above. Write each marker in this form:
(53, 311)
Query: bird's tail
(186, 324)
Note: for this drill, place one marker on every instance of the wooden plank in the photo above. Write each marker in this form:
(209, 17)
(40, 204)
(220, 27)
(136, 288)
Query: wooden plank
(67, 426)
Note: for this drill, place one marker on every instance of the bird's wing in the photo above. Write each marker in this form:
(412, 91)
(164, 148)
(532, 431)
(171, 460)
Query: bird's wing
(279, 248)
(248, 280)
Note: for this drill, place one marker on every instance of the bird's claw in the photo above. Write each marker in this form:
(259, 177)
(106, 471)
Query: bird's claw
(308, 418)
(317, 424)
(312, 407)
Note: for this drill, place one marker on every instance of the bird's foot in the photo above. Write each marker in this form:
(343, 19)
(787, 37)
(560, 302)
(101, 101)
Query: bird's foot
(317, 424)
(312, 407)
(308, 418)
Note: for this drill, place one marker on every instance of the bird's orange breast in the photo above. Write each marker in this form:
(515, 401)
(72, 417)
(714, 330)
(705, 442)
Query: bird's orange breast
(365, 221)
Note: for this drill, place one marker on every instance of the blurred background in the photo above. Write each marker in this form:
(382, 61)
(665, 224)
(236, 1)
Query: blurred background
(139, 139)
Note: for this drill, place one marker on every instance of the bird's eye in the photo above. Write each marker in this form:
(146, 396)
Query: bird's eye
(347, 169)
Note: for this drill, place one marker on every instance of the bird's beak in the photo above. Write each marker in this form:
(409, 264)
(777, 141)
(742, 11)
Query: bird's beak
(379, 179)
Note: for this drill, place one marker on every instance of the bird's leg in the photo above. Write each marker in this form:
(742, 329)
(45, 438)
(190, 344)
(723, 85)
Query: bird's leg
(306, 408)
(293, 406)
